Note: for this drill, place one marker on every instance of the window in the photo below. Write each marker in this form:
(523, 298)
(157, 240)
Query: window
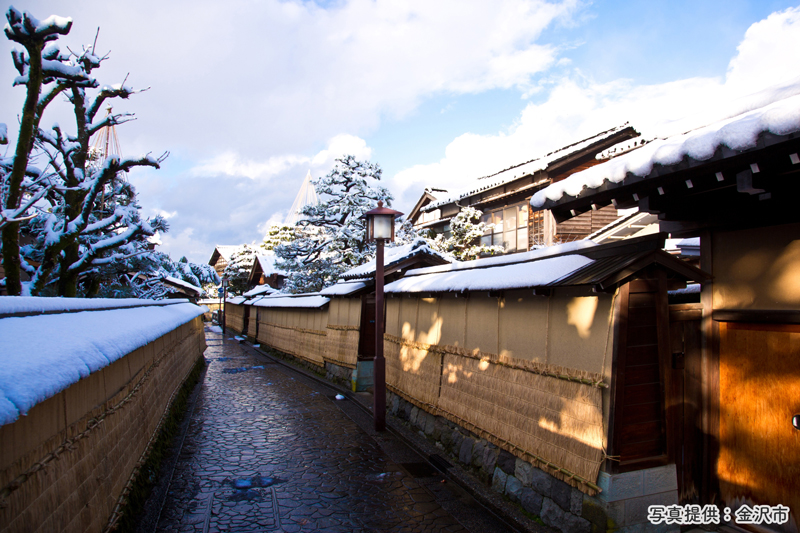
(507, 227)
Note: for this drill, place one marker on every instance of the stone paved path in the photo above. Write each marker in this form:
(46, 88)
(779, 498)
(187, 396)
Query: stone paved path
(268, 449)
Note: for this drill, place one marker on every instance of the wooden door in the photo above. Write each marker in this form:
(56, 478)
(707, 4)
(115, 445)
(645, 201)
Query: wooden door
(366, 340)
(759, 383)
(245, 319)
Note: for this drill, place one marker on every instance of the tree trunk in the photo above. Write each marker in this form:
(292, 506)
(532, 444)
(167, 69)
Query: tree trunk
(11, 258)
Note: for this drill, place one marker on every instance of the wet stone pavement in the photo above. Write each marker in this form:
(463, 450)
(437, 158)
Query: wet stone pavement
(268, 449)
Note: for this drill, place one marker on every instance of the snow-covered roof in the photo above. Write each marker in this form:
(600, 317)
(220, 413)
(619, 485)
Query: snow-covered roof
(236, 300)
(226, 250)
(520, 170)
(260, 290)
(393, 255)
(184, 284)
(513, 276)
(36, 305)
(343, 288)
(509, 259)
(267, 262)
(309, 300)
(740, 132)
(42, 355)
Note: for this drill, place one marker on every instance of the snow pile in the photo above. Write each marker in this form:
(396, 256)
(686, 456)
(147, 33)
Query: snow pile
(514, 276)
(29, 305)
(184, 284)
(523, 169)
(309, 300)
(738, 133)
(343, 288)
(42, 355)
(259, 290)
(393, 255)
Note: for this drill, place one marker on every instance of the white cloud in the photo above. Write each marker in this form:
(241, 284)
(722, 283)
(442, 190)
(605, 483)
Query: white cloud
(577, 107)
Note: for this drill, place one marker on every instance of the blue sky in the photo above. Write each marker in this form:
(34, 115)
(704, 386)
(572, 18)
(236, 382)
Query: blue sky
(250, 98)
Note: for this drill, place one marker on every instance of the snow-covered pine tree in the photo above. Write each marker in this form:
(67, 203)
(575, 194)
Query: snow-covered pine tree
(238, 268)
(83, 218)
(279, 234)
(332, 238)
(464, 242)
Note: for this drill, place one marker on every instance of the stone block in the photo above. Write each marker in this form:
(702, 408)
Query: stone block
(465, 453)
(575, 524)
(407, 408)
(513, 489)
(395, 404)
(541, 481)
(523, 471)
(636, 508)
(446, 438)
(412, 419)
(618, 487)
(507, 462)
(490, 453)
(594, 511)
(438, 427)
(499, 480)
(552, 515)
(456, 440)
(560, 493)
(422, 420)
(430, 426)
(576, 502)
(531, 501)
(660, 479)
(477, 453)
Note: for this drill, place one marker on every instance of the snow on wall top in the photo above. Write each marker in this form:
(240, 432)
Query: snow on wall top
(35, 305)
(311, 300)
(393, 255)
(514, 276)
(258, 290)
(740, 132)
(44, 354)
(504, 259)
(343, 288)
(267, 262)
(518, 171)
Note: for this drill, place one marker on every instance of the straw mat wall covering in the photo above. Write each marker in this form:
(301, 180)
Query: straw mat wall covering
(413, 368)
(307, 344)
(234, 317)
(546, 414)
(342, 345)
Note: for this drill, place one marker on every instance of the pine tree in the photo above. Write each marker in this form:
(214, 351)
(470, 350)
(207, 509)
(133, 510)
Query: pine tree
(464, 242)
(331, 236)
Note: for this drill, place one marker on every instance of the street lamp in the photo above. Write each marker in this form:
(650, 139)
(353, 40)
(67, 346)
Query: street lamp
(224, 298)
(380, 228)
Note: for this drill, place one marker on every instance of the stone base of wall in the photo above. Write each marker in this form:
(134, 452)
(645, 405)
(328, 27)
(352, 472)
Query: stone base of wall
(69, 463)
(341, 375)
(620, 508)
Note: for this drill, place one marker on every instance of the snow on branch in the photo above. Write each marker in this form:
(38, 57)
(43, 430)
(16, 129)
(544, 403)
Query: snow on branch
(23, 27)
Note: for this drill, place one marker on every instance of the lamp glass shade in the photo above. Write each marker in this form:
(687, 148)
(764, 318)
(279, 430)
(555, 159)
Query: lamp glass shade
(224, 282)
(382, 227)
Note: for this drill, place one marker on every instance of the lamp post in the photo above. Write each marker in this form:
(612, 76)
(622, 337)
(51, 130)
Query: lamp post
(224, 301)
(380, 228)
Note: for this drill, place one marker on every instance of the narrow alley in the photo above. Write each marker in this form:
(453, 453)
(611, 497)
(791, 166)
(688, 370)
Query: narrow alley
(269, 449)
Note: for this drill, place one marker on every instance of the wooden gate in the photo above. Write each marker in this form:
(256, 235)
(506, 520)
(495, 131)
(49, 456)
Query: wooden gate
(684, 388)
